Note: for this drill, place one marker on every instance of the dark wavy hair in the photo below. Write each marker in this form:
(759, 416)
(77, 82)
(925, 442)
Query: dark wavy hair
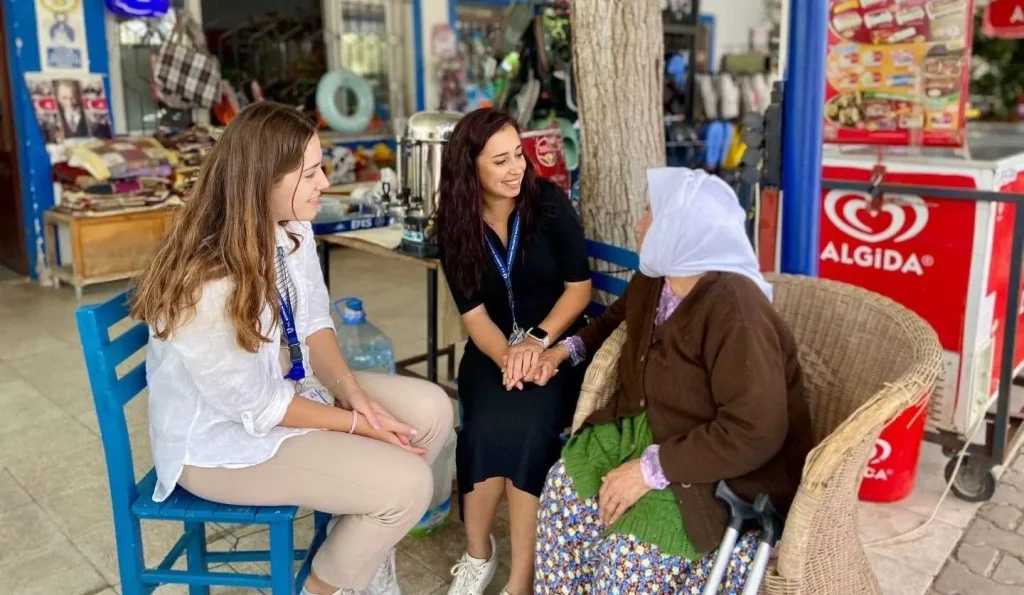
(459, 222)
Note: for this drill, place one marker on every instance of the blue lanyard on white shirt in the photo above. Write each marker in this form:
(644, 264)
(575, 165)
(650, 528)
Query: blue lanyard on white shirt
(505, 267)
(297, 371)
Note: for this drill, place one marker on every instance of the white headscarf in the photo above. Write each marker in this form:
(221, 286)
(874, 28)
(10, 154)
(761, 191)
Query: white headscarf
(697, 227)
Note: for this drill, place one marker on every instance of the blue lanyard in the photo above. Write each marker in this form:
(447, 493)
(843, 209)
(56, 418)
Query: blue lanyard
(505, 267)
(297, 372)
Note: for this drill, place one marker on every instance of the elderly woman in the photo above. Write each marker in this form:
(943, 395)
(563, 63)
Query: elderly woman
(710, 390)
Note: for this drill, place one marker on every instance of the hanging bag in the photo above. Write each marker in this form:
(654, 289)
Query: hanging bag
(185, 74)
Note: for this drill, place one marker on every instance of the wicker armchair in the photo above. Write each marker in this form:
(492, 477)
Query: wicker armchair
(865, 359)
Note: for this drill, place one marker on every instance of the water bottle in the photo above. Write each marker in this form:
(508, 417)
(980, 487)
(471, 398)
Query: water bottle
(441, 503)
(364, 345)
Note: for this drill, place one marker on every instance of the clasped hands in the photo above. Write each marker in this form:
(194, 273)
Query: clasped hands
(376, 422)
(529, 361)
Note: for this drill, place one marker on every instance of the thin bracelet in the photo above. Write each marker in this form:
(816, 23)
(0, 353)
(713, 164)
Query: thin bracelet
(355, 419)
(337, 382)
(345, 377)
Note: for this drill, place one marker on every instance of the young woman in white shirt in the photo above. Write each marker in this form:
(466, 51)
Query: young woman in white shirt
(250, 399)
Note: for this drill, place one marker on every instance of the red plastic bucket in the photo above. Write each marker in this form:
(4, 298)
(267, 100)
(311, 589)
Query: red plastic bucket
(892, 469)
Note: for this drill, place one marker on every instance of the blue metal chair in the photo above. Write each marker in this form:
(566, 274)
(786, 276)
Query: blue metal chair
(133, 501)
(625, 260)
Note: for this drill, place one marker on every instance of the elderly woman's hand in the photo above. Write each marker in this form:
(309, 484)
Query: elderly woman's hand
(547, 365)
(620, 490)
(520, 359)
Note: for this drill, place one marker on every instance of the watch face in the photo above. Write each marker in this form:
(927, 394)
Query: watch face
(539, 333)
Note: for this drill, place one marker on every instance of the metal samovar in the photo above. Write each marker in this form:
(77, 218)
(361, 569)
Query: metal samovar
(418, 163)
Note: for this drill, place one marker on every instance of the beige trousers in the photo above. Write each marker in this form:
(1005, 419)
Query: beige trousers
(379, 491)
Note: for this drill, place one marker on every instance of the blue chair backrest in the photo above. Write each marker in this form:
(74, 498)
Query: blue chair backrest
(623, 261)
(103, 355)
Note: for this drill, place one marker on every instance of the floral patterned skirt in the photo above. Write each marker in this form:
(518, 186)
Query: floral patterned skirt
(574, 556)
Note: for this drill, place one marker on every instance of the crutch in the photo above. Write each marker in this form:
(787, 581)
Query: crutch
(771, 529)
(740, 513)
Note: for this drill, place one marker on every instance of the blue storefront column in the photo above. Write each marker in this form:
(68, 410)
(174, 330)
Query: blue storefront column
(803, 117)
(22, 39)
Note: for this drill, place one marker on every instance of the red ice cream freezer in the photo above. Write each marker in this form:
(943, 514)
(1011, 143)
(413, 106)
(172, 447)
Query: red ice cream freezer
(947, 260)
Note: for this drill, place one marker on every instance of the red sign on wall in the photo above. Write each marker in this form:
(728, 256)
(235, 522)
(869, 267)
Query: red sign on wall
(1004, 18)
(545, 150)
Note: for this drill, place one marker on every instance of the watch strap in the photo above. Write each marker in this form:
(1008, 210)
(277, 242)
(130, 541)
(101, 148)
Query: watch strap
(546, 341)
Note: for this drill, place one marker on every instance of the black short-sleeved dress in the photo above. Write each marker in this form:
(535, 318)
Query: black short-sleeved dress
(515, 434)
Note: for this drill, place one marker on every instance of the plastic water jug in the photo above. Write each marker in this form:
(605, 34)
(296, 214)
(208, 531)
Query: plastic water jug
(441, 503)
(365, 347)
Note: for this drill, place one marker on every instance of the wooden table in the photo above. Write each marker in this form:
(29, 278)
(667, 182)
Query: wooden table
(431, 265)
(103, 247)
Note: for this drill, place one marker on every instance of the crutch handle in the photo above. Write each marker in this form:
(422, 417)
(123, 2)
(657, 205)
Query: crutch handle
(740, 511)
(771, 529)
(770, 518)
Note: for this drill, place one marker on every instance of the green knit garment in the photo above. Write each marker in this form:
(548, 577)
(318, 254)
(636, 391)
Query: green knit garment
(654, 519)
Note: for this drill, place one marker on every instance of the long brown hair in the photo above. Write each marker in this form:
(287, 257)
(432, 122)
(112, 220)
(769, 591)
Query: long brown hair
(225, 228)
(459, 219)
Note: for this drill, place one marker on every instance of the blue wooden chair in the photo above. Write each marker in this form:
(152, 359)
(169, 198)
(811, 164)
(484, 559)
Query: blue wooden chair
(624, 260)
(133, 501)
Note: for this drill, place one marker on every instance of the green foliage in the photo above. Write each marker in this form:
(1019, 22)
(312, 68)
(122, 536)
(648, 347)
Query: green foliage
(1004, 82)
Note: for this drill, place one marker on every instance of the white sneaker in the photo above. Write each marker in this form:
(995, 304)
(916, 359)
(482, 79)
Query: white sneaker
(385, 582)
(473, 575)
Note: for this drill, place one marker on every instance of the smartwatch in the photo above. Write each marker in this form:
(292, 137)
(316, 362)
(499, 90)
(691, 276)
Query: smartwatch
(540, 335)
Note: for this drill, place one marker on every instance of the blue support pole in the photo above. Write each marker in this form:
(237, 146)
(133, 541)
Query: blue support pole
(20, 34)
(803, 118)
(419, 52)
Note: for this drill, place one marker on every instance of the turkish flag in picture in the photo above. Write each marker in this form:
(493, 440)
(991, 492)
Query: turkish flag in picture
(1004, 18)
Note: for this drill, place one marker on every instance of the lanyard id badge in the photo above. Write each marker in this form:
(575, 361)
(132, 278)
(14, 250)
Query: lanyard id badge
(297, 371)
(505, 269)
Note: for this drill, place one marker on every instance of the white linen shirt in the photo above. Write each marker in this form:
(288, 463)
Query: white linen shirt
(213, 404)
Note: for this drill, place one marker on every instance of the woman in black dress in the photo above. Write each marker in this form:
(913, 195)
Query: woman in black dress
(497, 221)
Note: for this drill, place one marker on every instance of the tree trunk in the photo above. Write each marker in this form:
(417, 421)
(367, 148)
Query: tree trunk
(618, 57)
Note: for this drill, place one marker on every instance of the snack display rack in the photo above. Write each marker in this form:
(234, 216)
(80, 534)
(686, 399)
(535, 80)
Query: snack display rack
(895, 71)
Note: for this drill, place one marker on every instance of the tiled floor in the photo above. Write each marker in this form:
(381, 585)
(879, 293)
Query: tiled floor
(55, 529)
(7, 274)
